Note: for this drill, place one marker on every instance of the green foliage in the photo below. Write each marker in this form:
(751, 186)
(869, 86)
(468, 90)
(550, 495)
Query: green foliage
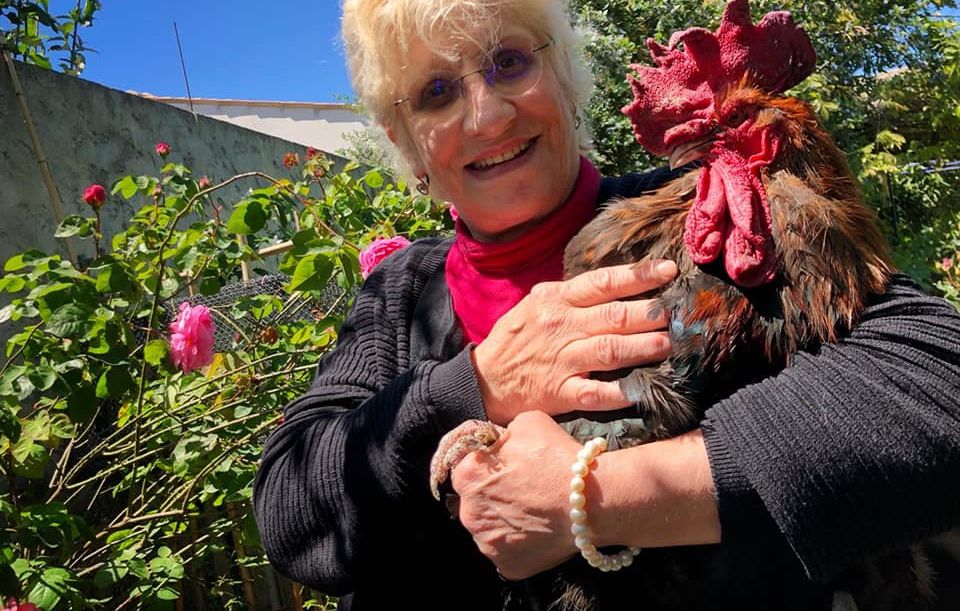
(109, 454)
(887, 86)
(30, 32)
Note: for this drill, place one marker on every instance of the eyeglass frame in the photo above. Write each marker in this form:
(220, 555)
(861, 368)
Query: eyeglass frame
(489, 77)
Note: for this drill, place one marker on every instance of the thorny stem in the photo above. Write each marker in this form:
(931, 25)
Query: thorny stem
(96, 233)
(119, 435)
(223, 407)
(214, 463)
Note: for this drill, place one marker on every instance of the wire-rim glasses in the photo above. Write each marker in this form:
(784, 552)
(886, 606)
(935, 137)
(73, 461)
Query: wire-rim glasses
(509, 71)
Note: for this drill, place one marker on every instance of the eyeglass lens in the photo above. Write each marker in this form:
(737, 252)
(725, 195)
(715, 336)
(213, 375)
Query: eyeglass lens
(511, 72)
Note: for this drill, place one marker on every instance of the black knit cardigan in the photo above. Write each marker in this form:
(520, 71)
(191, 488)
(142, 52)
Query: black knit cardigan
(848, 452)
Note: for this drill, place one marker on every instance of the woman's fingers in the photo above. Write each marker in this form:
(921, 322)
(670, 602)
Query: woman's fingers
(618, 282)
(620, 317)
(584, 394)
(611, 352)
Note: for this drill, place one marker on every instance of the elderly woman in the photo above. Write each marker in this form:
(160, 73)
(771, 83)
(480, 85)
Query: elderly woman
(847, 453)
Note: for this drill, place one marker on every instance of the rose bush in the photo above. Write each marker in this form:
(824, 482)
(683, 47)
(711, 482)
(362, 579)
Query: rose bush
(128, 445)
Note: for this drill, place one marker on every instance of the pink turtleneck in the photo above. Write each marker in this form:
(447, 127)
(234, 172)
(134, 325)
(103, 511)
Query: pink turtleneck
(486, 279)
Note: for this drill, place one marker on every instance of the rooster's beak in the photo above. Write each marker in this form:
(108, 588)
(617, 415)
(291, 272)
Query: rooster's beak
(685, 152)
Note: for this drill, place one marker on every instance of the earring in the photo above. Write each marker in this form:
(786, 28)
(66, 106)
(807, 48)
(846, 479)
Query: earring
(577, 121)
(424, 185)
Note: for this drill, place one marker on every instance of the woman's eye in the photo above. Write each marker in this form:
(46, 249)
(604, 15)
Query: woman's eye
(510, 63)
(436, 94)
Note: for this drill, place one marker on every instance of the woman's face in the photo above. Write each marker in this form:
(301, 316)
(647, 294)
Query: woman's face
(504, 160)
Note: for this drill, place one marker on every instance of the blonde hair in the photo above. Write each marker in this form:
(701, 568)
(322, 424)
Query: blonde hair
(378, 34)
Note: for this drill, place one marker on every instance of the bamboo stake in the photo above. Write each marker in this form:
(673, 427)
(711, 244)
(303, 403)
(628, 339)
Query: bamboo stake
(297, 596)
(241, 554)
(195, 572)
(55, 201)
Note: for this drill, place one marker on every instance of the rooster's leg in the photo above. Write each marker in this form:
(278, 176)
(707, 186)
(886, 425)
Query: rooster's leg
(470, 436)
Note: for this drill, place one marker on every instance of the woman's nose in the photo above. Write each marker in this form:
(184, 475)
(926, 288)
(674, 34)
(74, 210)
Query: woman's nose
(486, 111)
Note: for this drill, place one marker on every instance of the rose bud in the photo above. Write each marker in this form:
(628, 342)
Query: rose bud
(94, 196)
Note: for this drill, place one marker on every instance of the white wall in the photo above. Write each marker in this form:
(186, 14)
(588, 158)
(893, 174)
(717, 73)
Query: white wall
(315, 124)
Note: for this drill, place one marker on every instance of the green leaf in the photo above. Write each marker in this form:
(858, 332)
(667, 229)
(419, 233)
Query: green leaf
(167, 593)
(155, 352)
(70, 365)
(249, 216)
(126, 186)
(9, 423)
(9, 377)
(118, 535)
(12, 283)
(71, 320)
(110, 574)
(114, 278)
(312, 274)
(75, 225)
(114, 382)
(54, 584)
(61, 426)
(374, 179)
(42, 377)
(6, 312)
(18, 262)
(29, 459)
(82, 404)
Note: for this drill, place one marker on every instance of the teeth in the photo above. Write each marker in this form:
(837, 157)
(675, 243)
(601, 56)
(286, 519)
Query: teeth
(492, 161)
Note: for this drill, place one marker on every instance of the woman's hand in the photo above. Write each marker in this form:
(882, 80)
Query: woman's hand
(514, 500)
(539, 354)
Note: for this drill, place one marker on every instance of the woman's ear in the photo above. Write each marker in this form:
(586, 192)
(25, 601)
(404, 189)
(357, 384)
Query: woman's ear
(391, 134)
(401, 140)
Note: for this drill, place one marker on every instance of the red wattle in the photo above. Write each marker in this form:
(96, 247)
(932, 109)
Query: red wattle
(731, 216)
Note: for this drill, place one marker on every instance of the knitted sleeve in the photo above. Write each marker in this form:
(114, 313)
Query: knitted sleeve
(851, 450)
(342, 491)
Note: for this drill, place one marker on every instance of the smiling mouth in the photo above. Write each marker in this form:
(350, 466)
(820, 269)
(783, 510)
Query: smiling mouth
(490, 162)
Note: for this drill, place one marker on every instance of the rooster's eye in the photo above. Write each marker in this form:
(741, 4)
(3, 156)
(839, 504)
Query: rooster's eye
(737, 117)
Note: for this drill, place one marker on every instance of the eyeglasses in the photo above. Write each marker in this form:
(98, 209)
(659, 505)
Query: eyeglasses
(509, 71)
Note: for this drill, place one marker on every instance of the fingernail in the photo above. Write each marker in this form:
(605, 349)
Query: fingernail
(666, 269)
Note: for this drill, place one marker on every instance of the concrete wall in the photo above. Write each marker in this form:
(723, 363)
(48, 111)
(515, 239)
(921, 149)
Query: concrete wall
(315, 124)
(93, 134)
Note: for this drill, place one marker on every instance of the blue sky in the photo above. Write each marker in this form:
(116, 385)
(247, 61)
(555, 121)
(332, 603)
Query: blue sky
(238, 49)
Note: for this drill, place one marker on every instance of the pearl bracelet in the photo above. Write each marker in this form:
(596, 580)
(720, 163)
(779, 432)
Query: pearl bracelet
(578, 513)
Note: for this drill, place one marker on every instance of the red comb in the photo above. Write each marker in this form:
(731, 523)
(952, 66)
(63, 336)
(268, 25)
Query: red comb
(674, 100)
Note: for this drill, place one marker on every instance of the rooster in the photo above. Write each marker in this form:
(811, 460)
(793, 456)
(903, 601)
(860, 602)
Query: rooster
(777, 252)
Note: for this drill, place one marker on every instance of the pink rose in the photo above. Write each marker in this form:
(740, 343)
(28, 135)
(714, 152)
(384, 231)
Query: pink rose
(95, 195)
(204, 183)
(163, 149)
(379, 250)
(947, 263)
(191, 338)
(13, 605)
(453, 213)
